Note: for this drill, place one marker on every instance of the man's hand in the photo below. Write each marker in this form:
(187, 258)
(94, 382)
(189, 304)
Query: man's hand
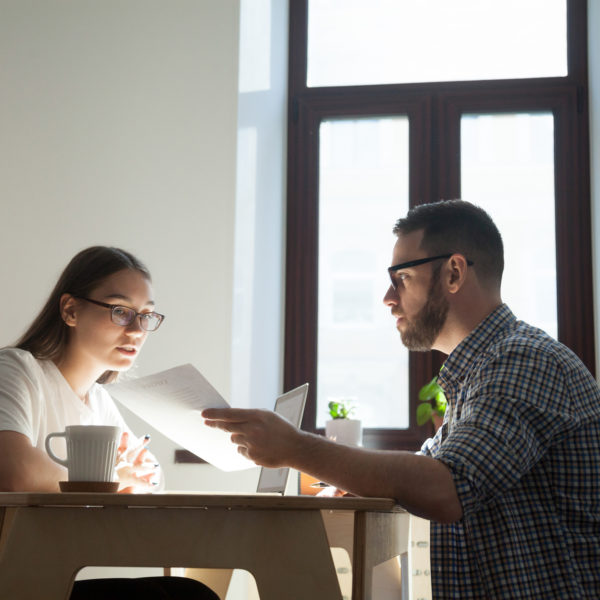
(261, 435)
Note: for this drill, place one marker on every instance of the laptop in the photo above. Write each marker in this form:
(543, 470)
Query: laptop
(290, 406)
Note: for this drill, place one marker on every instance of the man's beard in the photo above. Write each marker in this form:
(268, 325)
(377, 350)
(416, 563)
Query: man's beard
(420, 333)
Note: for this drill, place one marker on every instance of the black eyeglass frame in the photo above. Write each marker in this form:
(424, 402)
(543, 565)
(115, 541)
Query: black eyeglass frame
(112, 307)
(417, 262)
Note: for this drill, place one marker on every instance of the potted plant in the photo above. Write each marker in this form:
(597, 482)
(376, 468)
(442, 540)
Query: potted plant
(341, 428)
(432, 404)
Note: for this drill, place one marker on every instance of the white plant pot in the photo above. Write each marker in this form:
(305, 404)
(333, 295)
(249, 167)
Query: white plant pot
(344, 431)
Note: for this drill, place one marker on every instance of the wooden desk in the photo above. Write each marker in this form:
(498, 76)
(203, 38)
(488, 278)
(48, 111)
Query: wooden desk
(283, 541)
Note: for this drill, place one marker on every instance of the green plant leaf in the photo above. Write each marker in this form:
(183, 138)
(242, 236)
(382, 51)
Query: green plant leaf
(423, 413)
(429, 390)
(440, 403)
(334, 409)
(340, 410)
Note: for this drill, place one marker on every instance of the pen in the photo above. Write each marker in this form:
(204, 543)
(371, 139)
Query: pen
(319, 484)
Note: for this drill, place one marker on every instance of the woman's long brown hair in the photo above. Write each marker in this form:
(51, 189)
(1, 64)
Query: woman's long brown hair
(48, 335)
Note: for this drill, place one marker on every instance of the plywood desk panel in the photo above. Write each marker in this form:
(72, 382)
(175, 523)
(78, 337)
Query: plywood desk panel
(283, 541)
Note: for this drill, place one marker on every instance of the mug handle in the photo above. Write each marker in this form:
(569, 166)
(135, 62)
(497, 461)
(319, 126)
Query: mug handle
(51, 454)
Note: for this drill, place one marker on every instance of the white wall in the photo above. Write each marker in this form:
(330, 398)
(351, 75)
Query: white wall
(260, 208)
(118, 126)
(158, 127)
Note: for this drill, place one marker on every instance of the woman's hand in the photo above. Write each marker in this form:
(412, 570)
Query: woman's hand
(137, 469)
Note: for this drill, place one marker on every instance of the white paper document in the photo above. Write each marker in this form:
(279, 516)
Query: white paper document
(171, 401)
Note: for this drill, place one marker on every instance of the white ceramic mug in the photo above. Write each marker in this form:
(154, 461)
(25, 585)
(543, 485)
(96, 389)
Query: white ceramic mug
(91, 451)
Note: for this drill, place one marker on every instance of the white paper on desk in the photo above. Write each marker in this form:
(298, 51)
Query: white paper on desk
(171, 401)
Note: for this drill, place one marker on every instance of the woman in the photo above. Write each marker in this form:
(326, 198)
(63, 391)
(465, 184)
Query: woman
(92, 327)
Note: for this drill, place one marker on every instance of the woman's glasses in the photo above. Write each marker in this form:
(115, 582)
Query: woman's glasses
(124, 316)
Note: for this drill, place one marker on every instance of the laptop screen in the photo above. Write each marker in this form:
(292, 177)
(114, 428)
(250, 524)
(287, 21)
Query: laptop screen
(290, 406)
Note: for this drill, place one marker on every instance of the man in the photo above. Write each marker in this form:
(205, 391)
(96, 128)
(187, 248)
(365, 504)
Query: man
(511, 481)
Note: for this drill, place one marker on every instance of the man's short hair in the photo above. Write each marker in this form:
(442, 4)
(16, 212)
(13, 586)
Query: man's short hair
(462, 227)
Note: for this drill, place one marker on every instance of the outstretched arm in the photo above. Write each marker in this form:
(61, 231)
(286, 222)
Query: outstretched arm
(423, 485)
(25, 468)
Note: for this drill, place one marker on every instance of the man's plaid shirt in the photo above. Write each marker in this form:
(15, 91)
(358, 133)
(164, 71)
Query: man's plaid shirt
(521, 437)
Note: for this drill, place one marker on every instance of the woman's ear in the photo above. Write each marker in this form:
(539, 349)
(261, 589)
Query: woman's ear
(68, 309)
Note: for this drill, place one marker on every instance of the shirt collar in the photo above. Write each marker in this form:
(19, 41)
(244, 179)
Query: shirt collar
(475, 343)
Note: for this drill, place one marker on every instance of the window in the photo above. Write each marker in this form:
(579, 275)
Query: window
(363, 181)
(507, 164)
(502, 123)
(354, 42)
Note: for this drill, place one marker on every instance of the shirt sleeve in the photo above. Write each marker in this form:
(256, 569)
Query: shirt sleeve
(18, 394)
(431, 445)
(515, 407)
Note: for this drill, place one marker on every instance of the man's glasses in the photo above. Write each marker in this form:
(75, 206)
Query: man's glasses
(414, 263)
(124, 316)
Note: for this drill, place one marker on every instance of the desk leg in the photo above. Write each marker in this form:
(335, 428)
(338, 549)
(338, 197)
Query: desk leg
(217, 580)
(406, 575)
(377, 538)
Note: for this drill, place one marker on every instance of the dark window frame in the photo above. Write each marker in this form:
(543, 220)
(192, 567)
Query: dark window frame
(434, 111)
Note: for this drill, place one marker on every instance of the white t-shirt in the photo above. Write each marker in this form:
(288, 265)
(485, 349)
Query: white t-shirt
(35, 400)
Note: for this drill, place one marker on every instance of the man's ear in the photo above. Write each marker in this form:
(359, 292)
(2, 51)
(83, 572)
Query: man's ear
(456, 273)
(68, 309)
